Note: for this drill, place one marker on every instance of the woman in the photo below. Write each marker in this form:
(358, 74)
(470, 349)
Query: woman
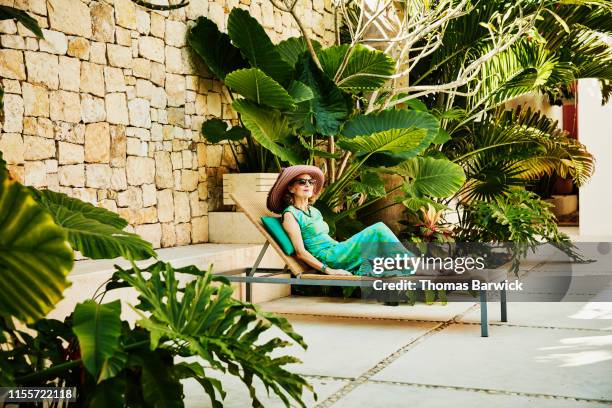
(293, 194)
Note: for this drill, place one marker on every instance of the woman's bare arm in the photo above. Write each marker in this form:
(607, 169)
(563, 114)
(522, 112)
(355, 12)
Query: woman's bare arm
(292, 228)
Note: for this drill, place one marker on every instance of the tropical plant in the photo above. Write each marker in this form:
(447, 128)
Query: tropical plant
(303, 104)
(94, 231)
(465, 60)
(35, 254)
(499, 148)
(113, 364)
(429, 227)
(519, 219)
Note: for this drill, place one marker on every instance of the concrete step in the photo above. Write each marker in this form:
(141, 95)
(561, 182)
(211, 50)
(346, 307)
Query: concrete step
(89, 275)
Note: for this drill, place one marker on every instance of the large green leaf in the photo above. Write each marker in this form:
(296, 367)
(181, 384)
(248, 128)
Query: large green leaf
(215, 48)
(424, 126)
(408, 142)
(300, 92)
(215, 131)
(439, 178)
(249, 36)
(328, 108)
(268, 127)
(35, 256)
(201, 317)
(98, 328)
(255, 85)
(160, 386)
(391, 119)
(366, 69)
(24, 18)
(369, 184)
(292, 49)
(414, 203)
(211, 385)
(95, 232)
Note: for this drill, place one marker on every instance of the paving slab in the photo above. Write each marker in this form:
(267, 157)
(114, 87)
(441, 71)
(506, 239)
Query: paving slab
(238, 394)
(560, 281)
(578, 315)
(374, 395)
(346, 347)
(361, 308)
(561, 362)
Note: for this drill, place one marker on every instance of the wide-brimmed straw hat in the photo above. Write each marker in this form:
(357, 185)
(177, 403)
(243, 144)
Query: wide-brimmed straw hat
(275, 202)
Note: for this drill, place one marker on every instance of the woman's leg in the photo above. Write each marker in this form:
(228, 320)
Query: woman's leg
(375, 241)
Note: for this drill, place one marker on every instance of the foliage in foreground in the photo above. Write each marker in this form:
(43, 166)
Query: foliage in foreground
(520, 218)
(113, 364)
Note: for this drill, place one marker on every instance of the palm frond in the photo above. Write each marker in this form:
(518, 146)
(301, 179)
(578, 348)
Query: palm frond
(517, 71)
(512, 147)
(559, 153)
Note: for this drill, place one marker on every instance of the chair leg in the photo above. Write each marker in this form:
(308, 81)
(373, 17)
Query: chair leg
(254, 269)
(484, 323)
(504, 307)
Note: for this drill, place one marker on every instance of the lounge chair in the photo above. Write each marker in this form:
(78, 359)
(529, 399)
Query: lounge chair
(254, 207)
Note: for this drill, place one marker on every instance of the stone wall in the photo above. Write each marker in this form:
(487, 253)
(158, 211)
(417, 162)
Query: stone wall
(108, 107)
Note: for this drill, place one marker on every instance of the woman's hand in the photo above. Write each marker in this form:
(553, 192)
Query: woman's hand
(330, 271)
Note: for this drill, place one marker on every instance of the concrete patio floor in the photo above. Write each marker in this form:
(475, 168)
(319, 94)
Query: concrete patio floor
(365, 354)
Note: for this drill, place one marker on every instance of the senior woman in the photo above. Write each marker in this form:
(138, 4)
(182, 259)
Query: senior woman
(292, 195)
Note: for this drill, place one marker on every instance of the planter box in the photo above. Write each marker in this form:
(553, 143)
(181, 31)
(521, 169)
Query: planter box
(246, 182)
(564, 204)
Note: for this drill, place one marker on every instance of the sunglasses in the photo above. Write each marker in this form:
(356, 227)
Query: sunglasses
(302, 182)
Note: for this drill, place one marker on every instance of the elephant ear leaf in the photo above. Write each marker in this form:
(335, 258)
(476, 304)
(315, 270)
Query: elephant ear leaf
(292, 49)
(422, 126)
(325, 112)
(98, 328)
(35, 256)
(432, 177)
(366, 69)
(370, 184)
(268, 127)
(300, 92)
(96, 232)
(255, 85)
(215, 48)
(215, 131)
(249, 36)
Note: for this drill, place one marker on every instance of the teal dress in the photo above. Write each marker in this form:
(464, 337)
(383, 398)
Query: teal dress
(355, 254)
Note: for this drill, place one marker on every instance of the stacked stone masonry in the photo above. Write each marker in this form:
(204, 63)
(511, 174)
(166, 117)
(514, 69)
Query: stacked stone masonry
(108, 107)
